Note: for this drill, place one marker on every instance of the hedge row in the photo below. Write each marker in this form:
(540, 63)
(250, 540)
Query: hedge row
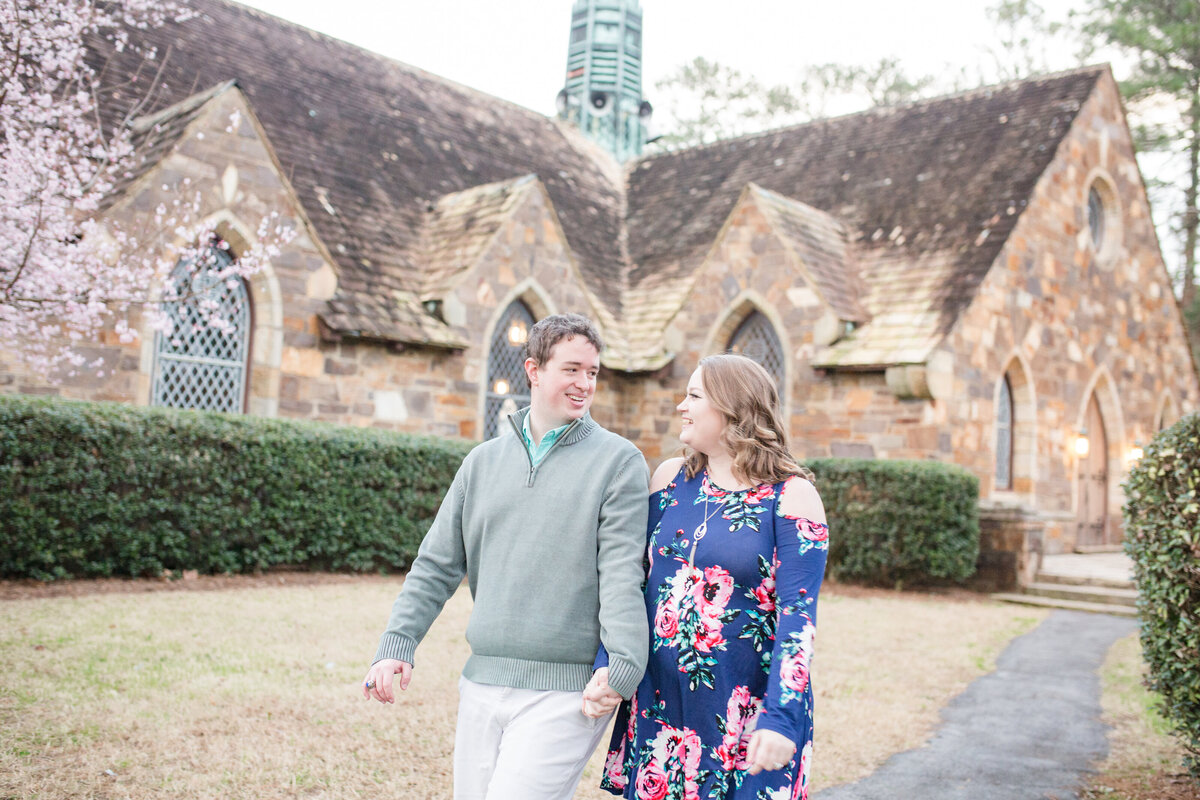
(94, 489)
(1162, 536)
(894, 523)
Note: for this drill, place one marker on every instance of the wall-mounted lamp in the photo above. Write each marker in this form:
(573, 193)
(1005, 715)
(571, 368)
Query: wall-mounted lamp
(518, 334)
(1082, 445)
(500, 387)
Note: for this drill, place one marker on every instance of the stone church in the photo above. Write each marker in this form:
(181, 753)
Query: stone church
(973, 279)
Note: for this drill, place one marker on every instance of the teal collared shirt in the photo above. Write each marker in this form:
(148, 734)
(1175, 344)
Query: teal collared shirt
(536, 454)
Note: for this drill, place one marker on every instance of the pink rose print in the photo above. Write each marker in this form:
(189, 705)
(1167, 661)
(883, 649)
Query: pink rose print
(741, 714)
(810, 531)
(666, 620)
(800, 791)
(759, 493)
(614, 767)
(651, 782)
(713, 591)
(793, 672)
(708, 638)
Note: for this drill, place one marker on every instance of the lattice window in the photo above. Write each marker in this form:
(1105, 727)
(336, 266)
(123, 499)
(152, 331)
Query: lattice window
(756, 338)
(507, 388)
(197, 365)
(1004, 436)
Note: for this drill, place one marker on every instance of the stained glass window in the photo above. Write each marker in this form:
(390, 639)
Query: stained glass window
(1004, 436)
(507, 389)
(756, 338)
(198, 365)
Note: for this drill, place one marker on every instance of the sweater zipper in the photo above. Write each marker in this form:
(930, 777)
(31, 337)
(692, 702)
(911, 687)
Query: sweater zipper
(521, 436)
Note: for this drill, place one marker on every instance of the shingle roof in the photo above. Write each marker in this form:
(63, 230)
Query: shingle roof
(918, 198)
(928, 193)
(377, 140)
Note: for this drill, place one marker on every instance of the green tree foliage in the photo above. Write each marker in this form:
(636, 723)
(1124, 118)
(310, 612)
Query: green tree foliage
(1162, 513)
(708, 101)
(1163, 38)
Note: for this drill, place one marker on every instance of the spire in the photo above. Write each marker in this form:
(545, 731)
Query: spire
(603, 91)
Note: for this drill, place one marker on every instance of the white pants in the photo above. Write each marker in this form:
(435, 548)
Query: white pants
(520, 744)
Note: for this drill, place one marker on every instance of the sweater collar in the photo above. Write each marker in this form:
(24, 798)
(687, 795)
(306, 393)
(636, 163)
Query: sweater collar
(576, 432)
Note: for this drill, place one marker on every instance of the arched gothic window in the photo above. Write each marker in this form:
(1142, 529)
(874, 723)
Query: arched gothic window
(756, 338)
(1004, 436)
(198, 365)
(507, 389)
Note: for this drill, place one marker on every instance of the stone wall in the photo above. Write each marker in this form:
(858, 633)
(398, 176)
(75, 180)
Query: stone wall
(1065, 321)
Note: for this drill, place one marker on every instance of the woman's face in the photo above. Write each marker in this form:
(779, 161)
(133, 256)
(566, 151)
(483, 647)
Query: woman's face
(702, 423)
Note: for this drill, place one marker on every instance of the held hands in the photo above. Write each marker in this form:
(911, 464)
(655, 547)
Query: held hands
(598, 697)
(378, 683)
(769, 751)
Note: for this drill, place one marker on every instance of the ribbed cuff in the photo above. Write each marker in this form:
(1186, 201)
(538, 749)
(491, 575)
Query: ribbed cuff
(624, 677)
(393, 645)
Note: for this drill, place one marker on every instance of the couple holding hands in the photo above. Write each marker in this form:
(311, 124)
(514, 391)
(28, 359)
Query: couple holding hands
(691, 615)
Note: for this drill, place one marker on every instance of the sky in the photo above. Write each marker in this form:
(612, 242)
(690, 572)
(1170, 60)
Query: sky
(517, 49)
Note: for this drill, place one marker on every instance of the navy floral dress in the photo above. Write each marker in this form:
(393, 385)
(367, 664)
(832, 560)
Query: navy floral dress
(732, 619)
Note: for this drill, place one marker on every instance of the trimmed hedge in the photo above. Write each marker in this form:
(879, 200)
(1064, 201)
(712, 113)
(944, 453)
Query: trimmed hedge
(899, 522)
(98, 489)
(1162, 536)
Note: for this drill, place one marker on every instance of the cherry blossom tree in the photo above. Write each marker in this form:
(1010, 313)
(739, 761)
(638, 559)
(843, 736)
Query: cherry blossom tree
(65, 272)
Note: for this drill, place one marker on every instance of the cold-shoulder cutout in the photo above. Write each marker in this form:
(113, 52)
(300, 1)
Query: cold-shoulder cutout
(799, 500)
(663, 475)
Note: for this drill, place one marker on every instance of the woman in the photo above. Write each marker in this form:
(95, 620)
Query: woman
(736, 553)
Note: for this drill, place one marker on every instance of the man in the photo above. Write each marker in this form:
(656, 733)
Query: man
(547, 521)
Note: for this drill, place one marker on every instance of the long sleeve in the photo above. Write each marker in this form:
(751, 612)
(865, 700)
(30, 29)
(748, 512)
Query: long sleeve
(655, 509)
(436, 573)
(620, 538)
(801, 547)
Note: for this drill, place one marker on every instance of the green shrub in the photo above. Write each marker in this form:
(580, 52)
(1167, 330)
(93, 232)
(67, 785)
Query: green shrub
(1162, 536)
(899, 522)
(97, 489)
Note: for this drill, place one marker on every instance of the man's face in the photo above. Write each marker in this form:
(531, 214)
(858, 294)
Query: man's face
(561, 389)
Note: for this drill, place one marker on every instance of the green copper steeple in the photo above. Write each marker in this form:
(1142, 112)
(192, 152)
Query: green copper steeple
(603, 92)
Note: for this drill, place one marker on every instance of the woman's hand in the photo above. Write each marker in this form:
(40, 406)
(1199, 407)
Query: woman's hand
(769, 751)
(598, 697)
(378, 683)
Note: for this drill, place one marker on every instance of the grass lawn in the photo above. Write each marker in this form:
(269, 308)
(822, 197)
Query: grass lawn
(252, 689)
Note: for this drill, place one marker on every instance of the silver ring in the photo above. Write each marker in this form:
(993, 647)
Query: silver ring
(369, 685)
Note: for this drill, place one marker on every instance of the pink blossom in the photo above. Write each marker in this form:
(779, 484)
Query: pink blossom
(666, 619)
(651, 782)
(812, 531)
(713, 591)
(764, 491)
(64, 275)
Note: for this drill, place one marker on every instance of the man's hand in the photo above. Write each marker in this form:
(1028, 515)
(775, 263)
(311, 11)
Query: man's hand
(768, 751)
(598, 697)
(378, 683)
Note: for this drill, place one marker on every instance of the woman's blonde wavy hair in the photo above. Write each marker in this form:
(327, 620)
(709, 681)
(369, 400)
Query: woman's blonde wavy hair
(745, 395)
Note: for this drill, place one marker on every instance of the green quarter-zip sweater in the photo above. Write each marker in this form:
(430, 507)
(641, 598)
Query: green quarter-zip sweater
(552, 553)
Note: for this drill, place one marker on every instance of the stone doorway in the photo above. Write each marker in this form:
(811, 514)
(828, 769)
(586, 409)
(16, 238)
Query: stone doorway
(1094, 524)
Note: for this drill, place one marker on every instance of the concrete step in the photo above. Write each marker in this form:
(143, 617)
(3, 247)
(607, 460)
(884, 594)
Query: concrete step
(1085, 593)
(1082, 580)
(1073, 605)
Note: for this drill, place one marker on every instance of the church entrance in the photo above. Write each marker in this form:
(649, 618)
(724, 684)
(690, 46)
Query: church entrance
(1094, 525)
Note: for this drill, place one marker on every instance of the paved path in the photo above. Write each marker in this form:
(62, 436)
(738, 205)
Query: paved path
(1024, 732)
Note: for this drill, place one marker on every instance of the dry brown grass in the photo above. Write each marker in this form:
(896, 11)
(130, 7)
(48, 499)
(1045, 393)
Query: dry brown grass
(253, 692)
(1144, 761)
